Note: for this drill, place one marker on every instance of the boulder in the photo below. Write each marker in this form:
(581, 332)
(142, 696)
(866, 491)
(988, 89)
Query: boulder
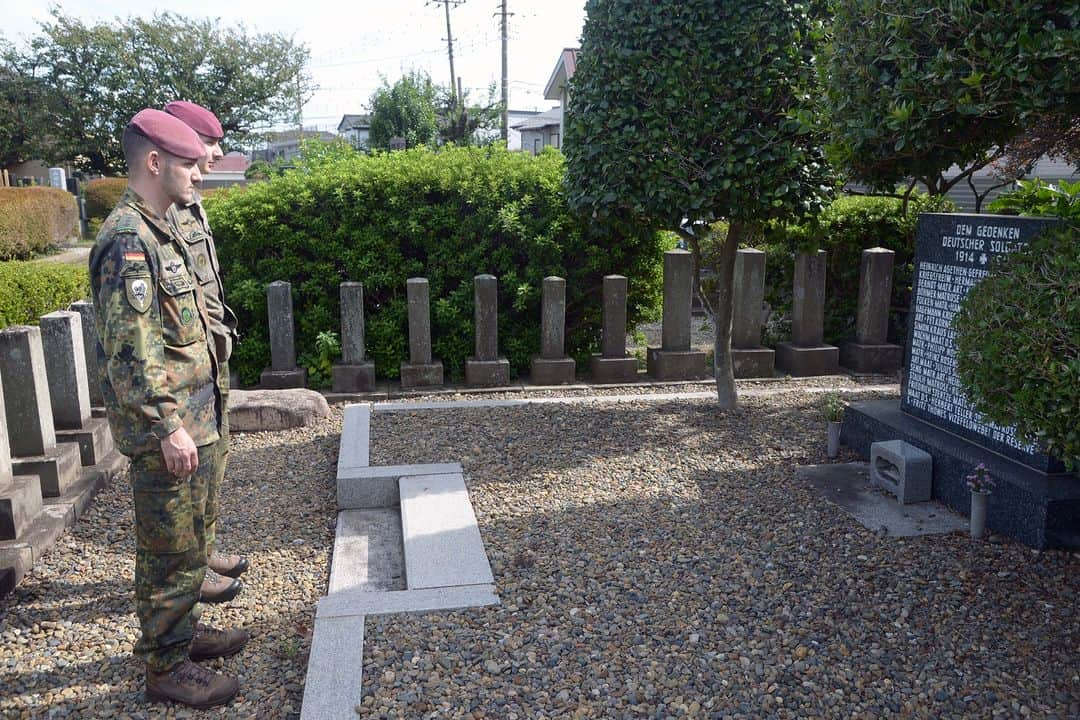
(255, 410)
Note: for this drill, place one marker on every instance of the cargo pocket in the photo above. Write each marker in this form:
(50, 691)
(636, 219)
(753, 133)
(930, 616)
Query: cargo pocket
(180, 323)
(199, 250)
(164, 518)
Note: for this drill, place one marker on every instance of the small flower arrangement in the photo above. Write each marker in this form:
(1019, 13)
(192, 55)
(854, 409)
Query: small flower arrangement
(980, 481)
(834, 407)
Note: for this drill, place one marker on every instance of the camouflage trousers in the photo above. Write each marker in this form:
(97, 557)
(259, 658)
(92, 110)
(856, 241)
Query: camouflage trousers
(220, 459)
(170, 554)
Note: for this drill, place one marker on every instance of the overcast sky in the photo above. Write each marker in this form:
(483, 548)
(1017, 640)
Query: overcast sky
(353, 43)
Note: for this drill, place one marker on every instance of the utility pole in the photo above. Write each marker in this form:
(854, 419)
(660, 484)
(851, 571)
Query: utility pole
(505, 81)
(450, 46)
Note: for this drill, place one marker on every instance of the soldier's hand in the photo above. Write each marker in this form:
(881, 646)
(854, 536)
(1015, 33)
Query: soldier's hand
(181, 455)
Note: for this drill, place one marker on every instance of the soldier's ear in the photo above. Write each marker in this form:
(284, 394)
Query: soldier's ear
(154, 162)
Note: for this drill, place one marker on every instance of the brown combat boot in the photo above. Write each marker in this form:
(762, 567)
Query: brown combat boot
(228, 565)
(209, 642)
(191, 684)
(217, 589)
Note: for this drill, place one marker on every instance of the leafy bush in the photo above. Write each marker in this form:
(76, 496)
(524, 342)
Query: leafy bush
(29, 290)
(35, 219)
(1034, 197)
(447, 216)
(845, 228)
(1018, 343)
(101, 196)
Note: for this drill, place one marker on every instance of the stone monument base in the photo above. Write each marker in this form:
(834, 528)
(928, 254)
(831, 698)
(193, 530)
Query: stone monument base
(20, 502)
(57, 469)
(802, 361)
(613, 370)
(283, 379)
(95, 440)
(871, 359)
(415, 375)
(353, 378)
(676, 364)
(752, 362)
(487, 373)
(557, 371)
(1039, 509)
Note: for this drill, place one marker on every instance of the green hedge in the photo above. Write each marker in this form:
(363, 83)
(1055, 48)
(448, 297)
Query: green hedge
(34, 220)
(101, 196)
(29, 290)
(1018, 343)
(447, 216)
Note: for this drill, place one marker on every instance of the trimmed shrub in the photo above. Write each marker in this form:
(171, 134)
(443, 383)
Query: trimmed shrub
(34, 220)
(1018, 343)
(29, 290)
(1035, 197)
(101, 196)
(447, 216)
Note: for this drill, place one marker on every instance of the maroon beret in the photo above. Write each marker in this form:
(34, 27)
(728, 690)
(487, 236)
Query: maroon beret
(197, 117)
(168, 133)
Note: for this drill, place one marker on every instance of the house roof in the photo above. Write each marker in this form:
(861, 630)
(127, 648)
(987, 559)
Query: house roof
(540, 120)
(291, 137)
(233, 162)
(350, 122)
(564, 70)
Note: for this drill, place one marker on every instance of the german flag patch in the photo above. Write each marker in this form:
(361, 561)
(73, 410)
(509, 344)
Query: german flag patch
(135, 256)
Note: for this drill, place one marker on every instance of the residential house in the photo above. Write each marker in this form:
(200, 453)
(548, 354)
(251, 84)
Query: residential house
(286, 144)
(541, 130)
(558, 86)
(356, 129)
(229, 170)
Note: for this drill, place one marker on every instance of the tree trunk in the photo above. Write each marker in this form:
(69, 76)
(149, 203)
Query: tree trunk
(726, 393)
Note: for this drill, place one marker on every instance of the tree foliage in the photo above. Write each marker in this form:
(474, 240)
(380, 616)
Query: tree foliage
(695, 110)
(405, 109)
(465, 123)
(913, 87)
(88, 80)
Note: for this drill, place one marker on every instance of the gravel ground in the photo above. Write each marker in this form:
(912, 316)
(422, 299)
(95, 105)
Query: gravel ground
(636, 581)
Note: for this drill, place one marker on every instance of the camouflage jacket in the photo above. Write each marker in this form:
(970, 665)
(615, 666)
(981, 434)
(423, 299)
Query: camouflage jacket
(158, 372)
(193, 228)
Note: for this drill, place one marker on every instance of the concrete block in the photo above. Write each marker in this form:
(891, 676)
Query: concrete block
(559, 371)
(903, 470)
(355, 438)
(871, 359)
(346, 604)
(95, 440)
(58, 468)
(279, 310)
(753, 362)
(613, 369)
(353, 378)
(368, 555)
(335, 666)
(806, 361)
(21, 555)
(415, 375)
(283, 379)
(20, 502)
(487, 373)
(377, 487)
(676, 365)
(437, 522)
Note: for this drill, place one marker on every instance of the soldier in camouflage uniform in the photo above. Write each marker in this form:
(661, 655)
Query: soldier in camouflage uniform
(159, 381)
(192, 226)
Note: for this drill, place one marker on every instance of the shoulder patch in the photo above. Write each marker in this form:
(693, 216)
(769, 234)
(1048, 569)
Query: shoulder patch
(139, 292)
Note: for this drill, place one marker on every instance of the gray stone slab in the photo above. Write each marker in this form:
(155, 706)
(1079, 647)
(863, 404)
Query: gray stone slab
(747, 300)
(553, 318)
(486, 318)
(279, 310)
(377, 487)
(752, 362)
(437, 523)
(848, 486)
(352, 323)
(871, 359)
(487, 373)
(58, 469)
(613, 369)
(90, 339)
(613, 334)
(808, 299)
(65, 366)
(418, 292)
(335, 667)
(346, 604)
(414, 375)
(875, 296)
(546, 371)
(355, 437)
(95, 440)
(676, 365)
(283, 379)
(359, 377)
(20, 502)
(802, 361)
(678, 300)
(368, 555)
(27, 406)
(5, 449)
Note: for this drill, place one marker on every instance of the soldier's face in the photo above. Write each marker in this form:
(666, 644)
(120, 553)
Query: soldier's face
(179, 178)
(213, 153)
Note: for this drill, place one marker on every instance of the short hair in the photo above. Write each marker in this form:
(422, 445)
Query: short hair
(135, 146)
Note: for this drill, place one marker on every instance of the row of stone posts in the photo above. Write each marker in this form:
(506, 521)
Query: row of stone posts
(675, 359)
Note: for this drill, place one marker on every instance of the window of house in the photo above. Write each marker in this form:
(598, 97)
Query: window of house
(536, 145)
(553, 140)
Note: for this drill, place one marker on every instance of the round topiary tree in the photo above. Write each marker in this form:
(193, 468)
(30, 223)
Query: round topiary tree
(1018, 343)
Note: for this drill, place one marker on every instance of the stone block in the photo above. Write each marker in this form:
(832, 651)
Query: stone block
(20, 502)
(808, 300)
(65, 366)
(438, 522)
(875, 296)
(354, 449)
(283, 379)
(613, 369)
(678, 294)
(414, 375)
(88, 326)
(487, 373)
(27, 406)
(95, 440)
(58, 469)
(279, 310)
(377, 487)
(903, 470)
(871, 359)
(752, 362)
(486, 318)
(675, 365)
(613, 333)
(747, 300)
(547, 371)
(801, 361)
(353, 378)
(352, 323)
(418, 292)
(348, 604)
(259, 410)
(335, 667)
(368, 554)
